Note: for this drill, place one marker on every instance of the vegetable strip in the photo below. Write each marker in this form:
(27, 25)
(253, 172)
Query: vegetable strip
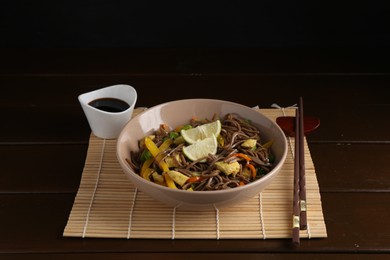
(155, 151)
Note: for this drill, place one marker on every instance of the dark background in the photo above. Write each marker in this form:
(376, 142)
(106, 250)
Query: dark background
(334, 54)
(194, 24)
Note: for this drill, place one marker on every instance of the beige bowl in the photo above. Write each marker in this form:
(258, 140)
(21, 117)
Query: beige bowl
(179, 112)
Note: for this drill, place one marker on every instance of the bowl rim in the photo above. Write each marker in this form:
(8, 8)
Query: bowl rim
(275, 170)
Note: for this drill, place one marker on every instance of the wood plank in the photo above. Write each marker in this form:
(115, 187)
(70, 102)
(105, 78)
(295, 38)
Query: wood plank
(351, 124)
(194, 60)
(249, 88)
(352, 167)
(34, 224)
(37, 125)
(194, 256)
(41, 168)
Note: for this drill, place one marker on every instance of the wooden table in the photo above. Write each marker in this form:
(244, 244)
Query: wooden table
(44, 140)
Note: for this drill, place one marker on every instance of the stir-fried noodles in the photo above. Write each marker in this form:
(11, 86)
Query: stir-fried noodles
(242, 157)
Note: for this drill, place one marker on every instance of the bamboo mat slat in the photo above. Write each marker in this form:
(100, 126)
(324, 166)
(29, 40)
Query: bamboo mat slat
(107, 205)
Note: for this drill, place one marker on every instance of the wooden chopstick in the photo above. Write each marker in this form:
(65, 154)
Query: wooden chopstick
(302, 178)
(299, 200)
(296, 206)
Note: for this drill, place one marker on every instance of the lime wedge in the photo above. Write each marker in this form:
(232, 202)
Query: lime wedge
(201, 132)
(201, 148)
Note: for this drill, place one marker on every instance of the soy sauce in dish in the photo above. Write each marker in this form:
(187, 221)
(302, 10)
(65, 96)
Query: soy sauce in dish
(113, 105)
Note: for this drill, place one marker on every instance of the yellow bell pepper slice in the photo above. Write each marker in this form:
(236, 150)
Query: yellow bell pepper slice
(165, 145)
(146, 165)
(154, 150)
(146, 173)
(169, 181)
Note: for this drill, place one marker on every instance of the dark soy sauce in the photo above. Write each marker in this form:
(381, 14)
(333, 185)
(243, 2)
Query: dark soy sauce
(112, 105)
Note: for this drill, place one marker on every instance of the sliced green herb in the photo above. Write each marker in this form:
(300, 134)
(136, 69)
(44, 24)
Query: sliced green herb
(173, 135)
(145, 155)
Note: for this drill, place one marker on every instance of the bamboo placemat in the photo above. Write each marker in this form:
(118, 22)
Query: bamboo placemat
(107, 205)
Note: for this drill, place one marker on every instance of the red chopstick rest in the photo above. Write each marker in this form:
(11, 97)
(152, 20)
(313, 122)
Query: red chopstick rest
(287, 123)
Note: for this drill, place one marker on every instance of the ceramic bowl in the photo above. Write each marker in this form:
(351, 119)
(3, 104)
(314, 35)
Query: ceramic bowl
(179, 112)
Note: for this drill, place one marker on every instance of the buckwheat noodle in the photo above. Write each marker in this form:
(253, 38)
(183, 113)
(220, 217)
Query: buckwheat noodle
(234, 131)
